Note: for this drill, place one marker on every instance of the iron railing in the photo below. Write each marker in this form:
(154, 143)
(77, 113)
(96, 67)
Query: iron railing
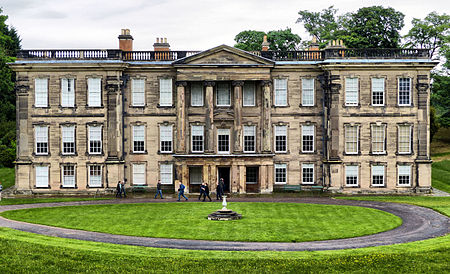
(300, 55)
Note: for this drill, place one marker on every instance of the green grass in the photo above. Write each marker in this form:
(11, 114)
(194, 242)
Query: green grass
(441, 175)
(22, 252)
(284, 222)
(19, 201)
(7, 177)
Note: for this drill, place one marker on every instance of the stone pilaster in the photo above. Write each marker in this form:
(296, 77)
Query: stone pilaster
(209, 121)
(334, 120)
(181, 116)
(22, 90)
(237, 132)
(423, 117)
(114, 121)
(266, 122)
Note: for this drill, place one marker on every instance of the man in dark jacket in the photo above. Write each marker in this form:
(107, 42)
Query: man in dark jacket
(206, 193)
(202, 191)
(119, 190)
(158, 190)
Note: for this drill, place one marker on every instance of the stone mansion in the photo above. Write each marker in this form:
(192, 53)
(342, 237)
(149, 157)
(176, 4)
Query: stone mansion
(345, 120)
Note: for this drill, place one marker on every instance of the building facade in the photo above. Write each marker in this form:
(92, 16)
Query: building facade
(347, 120)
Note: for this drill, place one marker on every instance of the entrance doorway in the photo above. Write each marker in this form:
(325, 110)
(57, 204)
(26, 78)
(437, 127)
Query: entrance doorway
(224, 173)
(195, 179)
(251, 180)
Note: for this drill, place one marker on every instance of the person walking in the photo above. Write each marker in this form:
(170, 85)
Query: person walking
(222, 187)
(123, 188)
(119, 190)
(1, 189)
(219, 190)
(158, 190)
(202, 191)
(181, 192)
(206, 193)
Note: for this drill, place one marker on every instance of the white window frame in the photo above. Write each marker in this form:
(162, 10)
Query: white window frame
(409, 139)
(410, 92)
(41, 135)
(138, 136)
(165, 135)
(380, 88)
(67, 92)
(401, 171)
(166, 174)
(383, 126)
(249, 91)
(251, 132)
(68, 136)
(65, 178)
(224, 132)
(41, 176)
(90, 128)
(137, 92)
(95, 180)
(280, 166)
(308, 91)
(280, 92)
(194, 87)
(375, 172)
(139, 173)
(346, 136)
(309, 166)
(275, 138)
(94, 92)
(41, 92)
(194, 132)
(351, 88)
(223, 87)
(352, 171)
(308, 129)
(165, 92)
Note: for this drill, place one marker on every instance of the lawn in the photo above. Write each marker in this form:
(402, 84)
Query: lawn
(7, 177)
(440, 146)
(22, 252)
(441, 175)
(281, 222)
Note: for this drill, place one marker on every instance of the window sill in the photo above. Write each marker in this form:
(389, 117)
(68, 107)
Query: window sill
(42, 187)
(403, 186)
(310, 184)
(137, 107)
(68, 155)
(94, 107)
(95, 186)
(352, 186)
(378, 186)
(68, 187)
(159, 106)
(280, 183)
(138, 152)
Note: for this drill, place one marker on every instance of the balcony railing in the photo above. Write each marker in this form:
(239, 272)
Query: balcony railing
(301, 55)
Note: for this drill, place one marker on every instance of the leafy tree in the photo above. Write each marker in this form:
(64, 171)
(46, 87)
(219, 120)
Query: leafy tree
(434, 125)
(249, 40)
(373, 27)
(440, 98)
(9, 39)
(283, 40)
(429, 33)
(323, 25)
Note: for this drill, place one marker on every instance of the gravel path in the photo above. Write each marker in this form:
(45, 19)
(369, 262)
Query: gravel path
(418, 224)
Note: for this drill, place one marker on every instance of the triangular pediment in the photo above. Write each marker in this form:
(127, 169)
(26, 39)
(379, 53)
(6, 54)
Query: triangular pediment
(224, 55)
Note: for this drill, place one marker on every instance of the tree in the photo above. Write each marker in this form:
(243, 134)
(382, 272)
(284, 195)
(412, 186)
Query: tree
(323, 25)
(440, 98)
(429, 33)
(280, 40)
(372, 27)
(249, 40)
(9, 39)
(283, 40)
(434, 125)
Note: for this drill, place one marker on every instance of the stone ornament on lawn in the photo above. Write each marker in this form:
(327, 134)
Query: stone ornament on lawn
(224, 214)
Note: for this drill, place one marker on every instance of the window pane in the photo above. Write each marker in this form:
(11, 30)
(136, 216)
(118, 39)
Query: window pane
(404, 175)
(307, 138)
(249, 138)
(308, 173)
(377, 175)
(41, 92)
(165, 92)
(165, 138)
(138, 174)
(139, 138)
(404, 91)
(280, 138)
(378, 91)
(280, 173)
(249, 94)
(166, 173)
(138, 92)
(196, 94)
(41, 176)
(94, 92)
(68, 176)
(280, 92)
(223, 94)
(95, 139)
(95, 176)
(41, 139)
(197, 138)
(351, 91)
(68, 139)
(308, 92)
(351, 175)
(67, 92)
(404, 139)
(351, 139)
(378, 139)
(223, 140)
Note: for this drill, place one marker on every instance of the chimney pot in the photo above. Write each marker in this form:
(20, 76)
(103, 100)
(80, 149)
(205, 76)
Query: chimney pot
(125, 40)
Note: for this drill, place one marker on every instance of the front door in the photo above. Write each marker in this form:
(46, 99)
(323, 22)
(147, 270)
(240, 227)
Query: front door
(251, 180)
(224, 173)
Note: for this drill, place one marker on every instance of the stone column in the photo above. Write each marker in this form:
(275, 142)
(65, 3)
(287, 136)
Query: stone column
(234, 179)
(423, 117)
(334, 121)
(237, 132)
(114, 122)
(242, 179)
(209, 121)
(181, 116)
(266, 122)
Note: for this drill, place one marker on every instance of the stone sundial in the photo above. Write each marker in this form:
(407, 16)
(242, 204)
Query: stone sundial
(224, 214)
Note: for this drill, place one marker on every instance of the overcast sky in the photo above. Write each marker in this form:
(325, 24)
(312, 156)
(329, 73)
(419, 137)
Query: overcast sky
(188, 25)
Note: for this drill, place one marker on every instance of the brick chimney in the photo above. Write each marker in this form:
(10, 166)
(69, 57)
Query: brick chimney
(161, 45)
(265, 45)
(125, 40)
(314, 45)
